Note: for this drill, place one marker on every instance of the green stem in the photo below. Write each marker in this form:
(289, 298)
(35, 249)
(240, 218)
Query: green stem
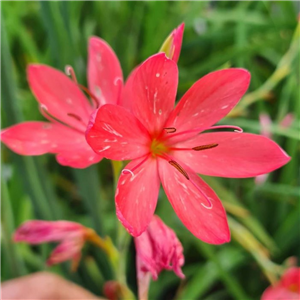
(282, 70)
(123, 241)
(231, 284)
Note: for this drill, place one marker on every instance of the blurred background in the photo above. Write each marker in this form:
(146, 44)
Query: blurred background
(263, 213)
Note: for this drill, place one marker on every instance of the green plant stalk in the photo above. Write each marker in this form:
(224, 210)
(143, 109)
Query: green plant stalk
(123, 240)
(15, 261)
(247, 240)
(282, 70)
(232, 285)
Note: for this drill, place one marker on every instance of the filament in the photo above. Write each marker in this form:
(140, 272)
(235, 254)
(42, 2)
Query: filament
(128, 171)
(92, 96)
(70, 72)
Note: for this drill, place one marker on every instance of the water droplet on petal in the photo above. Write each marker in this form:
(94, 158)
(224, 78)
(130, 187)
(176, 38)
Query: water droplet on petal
(160, 112)
(157, 74)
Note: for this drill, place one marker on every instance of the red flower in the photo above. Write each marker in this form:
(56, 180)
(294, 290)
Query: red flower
(287, 288)
(70, 235)
(165, 146)
(63, 103)
(157, 248)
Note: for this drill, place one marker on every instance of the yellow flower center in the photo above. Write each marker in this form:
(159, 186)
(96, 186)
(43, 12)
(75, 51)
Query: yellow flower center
(158, 148)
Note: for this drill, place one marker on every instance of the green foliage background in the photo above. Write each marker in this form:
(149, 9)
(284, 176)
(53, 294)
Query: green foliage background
(264, 219)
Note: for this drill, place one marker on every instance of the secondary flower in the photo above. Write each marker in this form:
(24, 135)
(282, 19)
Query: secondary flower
(287, 288)
(63, 103)
(70, 235)
(165, 146)
(157, 248)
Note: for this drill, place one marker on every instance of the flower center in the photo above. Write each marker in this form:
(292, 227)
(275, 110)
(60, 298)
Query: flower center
(158, 148)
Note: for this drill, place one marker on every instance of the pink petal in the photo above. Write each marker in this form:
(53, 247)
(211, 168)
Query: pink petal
(36, 138)
(38, 231)
(59, 95)
(69, 249)
(291, 277)
(125, 100)
(117, 134)
(237, 154)
(136, 195)
(279, 293)
(105, 76)
(209, 225)
(172, 44)
(210, 99)
(153, 91)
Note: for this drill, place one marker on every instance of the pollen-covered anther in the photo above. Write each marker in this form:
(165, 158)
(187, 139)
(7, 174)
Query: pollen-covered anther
(176, 165)
(204, 147)
(75, 117)
(170, 129)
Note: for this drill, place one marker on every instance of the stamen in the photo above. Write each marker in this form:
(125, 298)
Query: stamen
(75, 117)
(236, 128)
(185, 174)
(70, 72)
(176, 165)
(170, 129)
(198, 148)
(92, 96)
(204, 195)
(127, 171)
(204, 147)
(44, 111)
(199, 130)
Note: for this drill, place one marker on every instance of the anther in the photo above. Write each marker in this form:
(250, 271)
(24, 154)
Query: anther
(70, 72)
(177, 166)
(93, 97)
(170, 129)
(204, 147)
(75, 117)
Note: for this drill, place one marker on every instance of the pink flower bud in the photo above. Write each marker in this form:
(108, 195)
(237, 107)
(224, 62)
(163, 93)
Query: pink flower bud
(157, 248)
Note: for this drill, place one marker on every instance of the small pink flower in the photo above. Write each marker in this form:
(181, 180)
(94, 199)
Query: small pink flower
(63, 103)
(157, 248)
(287, 288)
(165, 146)
(70, 235)
(172, 45)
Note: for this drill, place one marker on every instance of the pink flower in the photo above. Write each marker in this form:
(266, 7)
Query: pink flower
(172, 45)
(71, 237)
(165, 146)
(157, 248)
(287, 288)
(63, 103)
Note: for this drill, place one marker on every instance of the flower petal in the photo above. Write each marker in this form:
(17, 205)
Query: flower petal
(172, 44)
(153, 91)
(105, 76)
(209, 225)
(38, 231)
(59, 96)
(117, 134)
(36, 138)
(129, 86)
(209, 100)
(136, 195)
(237, 154)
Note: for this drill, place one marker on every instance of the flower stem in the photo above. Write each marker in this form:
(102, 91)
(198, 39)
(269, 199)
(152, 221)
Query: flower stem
(123, 241)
